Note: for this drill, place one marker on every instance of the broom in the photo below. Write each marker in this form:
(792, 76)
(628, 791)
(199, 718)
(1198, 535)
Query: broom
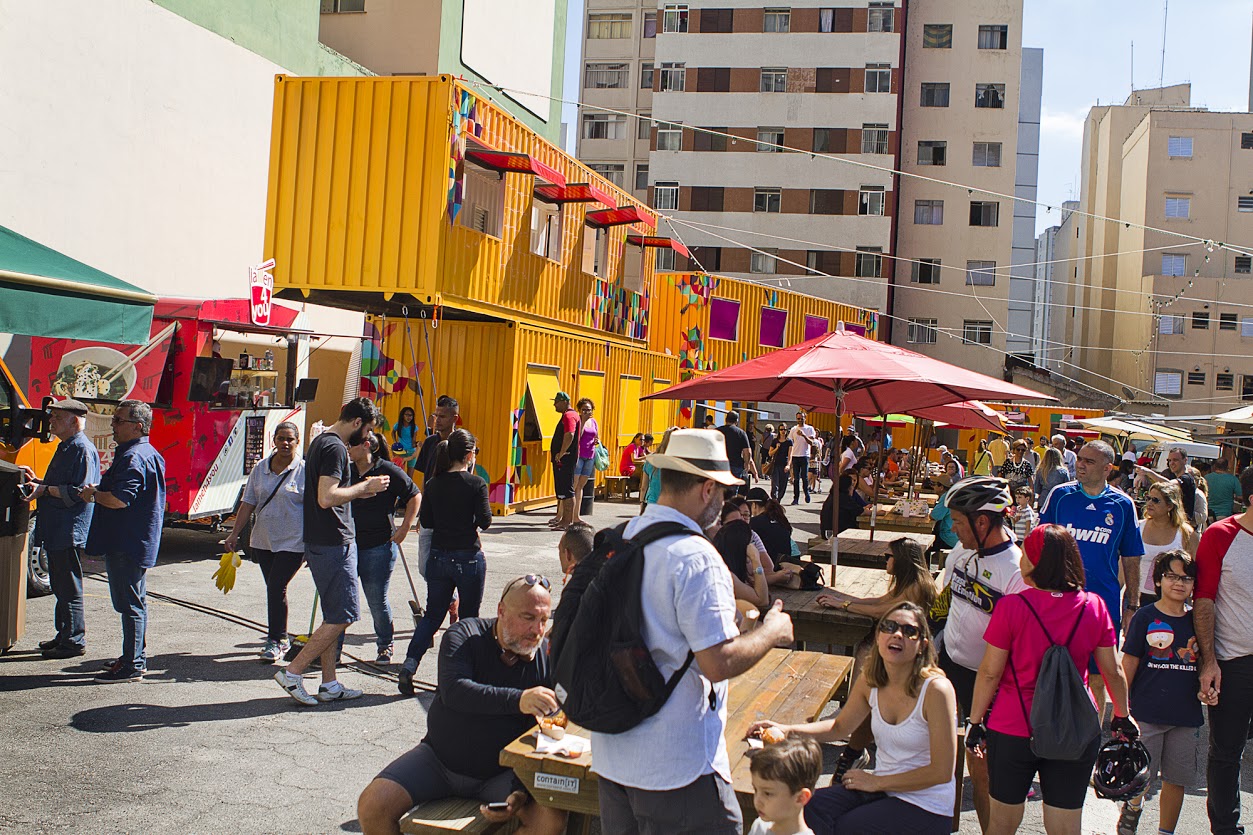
(299, 641)
(414, 606)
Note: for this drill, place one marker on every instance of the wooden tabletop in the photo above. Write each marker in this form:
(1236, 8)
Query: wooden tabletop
(789, 686)
(893, 523)
(859, 552)
(814, 623)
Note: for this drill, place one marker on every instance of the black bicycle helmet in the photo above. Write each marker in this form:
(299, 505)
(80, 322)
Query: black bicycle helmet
(983, 493)
(1122, 770)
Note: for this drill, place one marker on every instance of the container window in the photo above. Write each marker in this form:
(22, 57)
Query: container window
(773, 327)
(546, 230)
(724, 319)
(483, 205)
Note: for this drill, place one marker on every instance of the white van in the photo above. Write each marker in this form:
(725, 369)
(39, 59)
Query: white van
(1196, 453)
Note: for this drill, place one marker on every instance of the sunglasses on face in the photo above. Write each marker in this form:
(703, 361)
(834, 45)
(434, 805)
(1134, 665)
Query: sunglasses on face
(1154, 500)
(907, 630)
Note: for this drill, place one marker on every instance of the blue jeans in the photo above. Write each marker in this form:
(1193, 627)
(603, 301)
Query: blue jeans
(65, 573)
(375, 567)
(800, 478)
(447, 571)
(128, 589)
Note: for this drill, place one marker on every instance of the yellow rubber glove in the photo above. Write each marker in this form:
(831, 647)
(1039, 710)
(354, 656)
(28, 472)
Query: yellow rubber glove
(224, 577)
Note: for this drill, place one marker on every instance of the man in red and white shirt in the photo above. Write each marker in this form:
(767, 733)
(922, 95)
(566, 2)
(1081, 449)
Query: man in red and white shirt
(1224, 631)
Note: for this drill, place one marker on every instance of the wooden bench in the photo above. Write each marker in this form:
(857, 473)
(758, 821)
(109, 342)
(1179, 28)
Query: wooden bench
(451, 814)
(617, 485)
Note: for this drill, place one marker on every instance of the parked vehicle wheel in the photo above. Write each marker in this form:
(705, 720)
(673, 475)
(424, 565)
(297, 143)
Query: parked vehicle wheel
(38, 583)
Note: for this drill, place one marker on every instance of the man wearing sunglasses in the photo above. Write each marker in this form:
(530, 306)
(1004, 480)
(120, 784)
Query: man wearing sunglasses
(494, 682)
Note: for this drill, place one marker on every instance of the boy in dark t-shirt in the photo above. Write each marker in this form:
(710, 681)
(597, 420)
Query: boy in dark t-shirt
(1162, 664)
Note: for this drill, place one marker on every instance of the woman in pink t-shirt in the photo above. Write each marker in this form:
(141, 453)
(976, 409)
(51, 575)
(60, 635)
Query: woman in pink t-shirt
(1053, 569)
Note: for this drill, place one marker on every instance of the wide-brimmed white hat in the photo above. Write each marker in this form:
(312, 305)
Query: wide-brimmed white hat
(699, 452)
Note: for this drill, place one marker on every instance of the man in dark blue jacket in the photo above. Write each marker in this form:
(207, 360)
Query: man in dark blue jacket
(126, 529)
(62, 521)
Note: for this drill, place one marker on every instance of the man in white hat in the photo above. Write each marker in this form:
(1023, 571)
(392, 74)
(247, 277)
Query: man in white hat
(671, 773)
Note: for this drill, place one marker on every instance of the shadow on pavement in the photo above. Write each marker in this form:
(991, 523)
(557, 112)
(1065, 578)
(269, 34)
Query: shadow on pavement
(130, 718)
(174, 667)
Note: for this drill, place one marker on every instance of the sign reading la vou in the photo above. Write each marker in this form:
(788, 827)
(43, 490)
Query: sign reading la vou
(261, 292)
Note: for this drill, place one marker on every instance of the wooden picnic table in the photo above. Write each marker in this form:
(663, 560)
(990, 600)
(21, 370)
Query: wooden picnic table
(813, 623)
(864, 553)
(788, 686)
(894, 523)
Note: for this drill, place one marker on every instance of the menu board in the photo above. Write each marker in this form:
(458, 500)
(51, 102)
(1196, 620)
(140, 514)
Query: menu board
(254, 441)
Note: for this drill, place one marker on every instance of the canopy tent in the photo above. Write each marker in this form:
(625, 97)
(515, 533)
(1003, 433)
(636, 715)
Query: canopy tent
(1135, 430)
(46, 293)
(1242, 415)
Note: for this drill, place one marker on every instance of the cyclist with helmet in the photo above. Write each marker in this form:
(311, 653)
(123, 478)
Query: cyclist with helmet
(982, 569)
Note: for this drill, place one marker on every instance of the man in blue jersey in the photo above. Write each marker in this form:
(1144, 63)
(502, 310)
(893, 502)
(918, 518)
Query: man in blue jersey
(1103, 522)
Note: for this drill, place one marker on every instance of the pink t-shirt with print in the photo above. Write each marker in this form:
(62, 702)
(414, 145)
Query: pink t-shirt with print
(1014, 628)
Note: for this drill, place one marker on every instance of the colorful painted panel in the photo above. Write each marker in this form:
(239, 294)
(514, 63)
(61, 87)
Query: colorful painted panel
(618, 311)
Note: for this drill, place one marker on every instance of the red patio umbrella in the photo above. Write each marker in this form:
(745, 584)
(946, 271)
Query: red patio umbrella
(852, 373)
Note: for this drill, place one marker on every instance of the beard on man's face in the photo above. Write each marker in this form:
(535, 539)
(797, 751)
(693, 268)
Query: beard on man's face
(710, 514)
(358, 436)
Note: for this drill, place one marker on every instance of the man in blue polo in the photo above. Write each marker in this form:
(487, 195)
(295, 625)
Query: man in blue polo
(1103, 522)
(126, 529)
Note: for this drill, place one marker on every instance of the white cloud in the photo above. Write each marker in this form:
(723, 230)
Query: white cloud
(1062, 125)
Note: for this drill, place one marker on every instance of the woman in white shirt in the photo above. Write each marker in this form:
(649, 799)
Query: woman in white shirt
(1165, 527)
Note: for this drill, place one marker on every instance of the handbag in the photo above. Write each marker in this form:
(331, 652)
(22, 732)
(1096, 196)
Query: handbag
(600, 457)
(245, 536)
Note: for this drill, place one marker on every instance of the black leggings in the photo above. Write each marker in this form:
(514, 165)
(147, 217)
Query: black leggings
(278, 568)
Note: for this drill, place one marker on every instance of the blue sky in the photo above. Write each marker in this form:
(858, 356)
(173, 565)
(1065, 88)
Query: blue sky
(1087, 59)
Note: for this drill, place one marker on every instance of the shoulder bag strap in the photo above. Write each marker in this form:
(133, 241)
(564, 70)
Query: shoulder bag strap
(274, 492)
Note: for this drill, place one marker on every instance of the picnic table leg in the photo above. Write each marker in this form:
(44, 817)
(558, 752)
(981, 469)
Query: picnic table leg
(959, 775)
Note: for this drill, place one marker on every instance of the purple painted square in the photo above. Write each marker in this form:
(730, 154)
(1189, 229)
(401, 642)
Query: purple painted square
(773, 322)
(724, 319)
(816, 326)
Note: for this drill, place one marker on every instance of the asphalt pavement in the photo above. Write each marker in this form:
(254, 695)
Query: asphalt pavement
(208, 742)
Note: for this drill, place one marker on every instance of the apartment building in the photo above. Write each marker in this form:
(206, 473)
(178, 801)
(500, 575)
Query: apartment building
(1168, 327)
(1052, 292)
(970, 115)
(519, 46)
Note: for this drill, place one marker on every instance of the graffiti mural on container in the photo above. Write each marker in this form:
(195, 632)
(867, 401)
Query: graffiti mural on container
(619, 311)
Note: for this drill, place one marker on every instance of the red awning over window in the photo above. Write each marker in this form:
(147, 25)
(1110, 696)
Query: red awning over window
(620, 217)
(659, 242)
(515, 164)
(573, 193)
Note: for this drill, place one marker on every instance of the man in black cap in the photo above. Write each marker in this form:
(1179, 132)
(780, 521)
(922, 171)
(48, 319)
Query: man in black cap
(62, 520)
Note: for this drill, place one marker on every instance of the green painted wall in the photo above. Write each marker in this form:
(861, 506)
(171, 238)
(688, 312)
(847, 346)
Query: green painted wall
(450, 62)
(282, 31)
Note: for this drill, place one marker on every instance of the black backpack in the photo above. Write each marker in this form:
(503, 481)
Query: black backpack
(606, 678)
(1063, 720)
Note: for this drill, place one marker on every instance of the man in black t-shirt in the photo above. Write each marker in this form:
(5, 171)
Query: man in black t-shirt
(331, 548)
(447, 411)
(494, 680)
(739, 451)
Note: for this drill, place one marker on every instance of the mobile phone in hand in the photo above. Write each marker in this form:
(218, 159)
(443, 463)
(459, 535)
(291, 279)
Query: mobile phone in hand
(502, 806)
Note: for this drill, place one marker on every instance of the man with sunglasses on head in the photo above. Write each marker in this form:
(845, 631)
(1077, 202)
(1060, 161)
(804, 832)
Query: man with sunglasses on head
(494, 682)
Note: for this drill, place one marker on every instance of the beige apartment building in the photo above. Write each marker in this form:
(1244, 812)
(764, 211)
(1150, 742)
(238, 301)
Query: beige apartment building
(1167, 329)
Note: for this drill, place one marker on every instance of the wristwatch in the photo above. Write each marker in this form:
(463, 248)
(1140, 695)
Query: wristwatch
(759, 570)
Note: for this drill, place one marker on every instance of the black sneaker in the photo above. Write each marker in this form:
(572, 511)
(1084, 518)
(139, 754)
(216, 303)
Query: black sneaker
(850, 758)
(114, 665)
(64, 651)
(1129, 819)
(406, 682)
(120, 674)
(44, 646)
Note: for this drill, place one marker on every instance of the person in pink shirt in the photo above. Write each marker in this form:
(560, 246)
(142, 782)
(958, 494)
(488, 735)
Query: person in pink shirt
(1054, 607)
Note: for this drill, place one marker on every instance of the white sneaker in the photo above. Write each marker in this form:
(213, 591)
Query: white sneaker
(294, 686)
(336, 692)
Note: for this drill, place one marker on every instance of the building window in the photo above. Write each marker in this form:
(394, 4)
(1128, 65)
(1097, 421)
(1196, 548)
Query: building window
(874, 139)
(717, 21)
(669, 136)
(707, 258)
(935, 94)
(665, 260)
(1244, 203)
(981, 273)
(641, 177)
(1179, 146)
(990, 95)
(644, 126)
(869, 262)
(826, 201)
(769, 200)
(878, 78)
(977, 332)
(773, 326)
(922, 331)
(1227, 322)
(937, 36)
(1200, 320)
(1246, 387)
(614, 172)
(1174, 264)
(882, 17)
(666, 196)
(770, 140)
(595, 250)
(926, 271)
(994, 37)
(870, 200)
(822, 140)
(932, 153)
(709, 139)
(762, 262)
(1246, 141)
(1178, 207)
(708, 199)
(774, 79)
(1244, 264)
(604, 126)
(1170, 325)
(826, 20)
(650, 24)
(338, 6)
(985, 213)
(483, 203)
(928, 212)
(606, 76)
(822, 262)
(608, 26)
(673, 77)
(1224, 381)
(546, 230)
(646, 75)
(1168, 383)
(778, 20)
(724, 319)
(674, 18)
(1246, 326)
(987, 155)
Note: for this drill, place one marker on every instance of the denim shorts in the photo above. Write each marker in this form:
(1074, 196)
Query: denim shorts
(585, 467)
(334, 570)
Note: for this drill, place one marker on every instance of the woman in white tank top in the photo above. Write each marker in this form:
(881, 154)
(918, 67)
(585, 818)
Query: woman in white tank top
(1165, 527)
(913, 714)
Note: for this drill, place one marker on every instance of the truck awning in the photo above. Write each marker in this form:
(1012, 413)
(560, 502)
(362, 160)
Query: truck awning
(660, 242)
(46, 293)
(573, 193)
(620, 216)
(510, 163)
